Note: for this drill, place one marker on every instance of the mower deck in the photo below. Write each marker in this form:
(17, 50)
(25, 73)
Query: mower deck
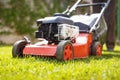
(81, 48)
(42, 50)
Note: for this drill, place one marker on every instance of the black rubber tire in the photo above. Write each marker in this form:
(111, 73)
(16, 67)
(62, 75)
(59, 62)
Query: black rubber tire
(17, 50)
(96, 49)
(61, 48)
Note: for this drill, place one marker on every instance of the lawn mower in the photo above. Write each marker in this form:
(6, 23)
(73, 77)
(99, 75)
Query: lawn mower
(66, 36)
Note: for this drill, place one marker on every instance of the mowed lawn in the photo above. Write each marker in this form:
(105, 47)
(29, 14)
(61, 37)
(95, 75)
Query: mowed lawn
(106, 67)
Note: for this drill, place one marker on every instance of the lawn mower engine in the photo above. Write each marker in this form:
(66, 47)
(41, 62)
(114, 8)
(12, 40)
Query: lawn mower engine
(56, 28)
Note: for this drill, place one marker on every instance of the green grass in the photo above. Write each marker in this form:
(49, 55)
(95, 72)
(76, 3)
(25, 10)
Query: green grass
(106, 67)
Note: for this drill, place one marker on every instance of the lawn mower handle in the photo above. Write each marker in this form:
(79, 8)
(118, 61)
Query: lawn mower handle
(73, 7)
(95, 26)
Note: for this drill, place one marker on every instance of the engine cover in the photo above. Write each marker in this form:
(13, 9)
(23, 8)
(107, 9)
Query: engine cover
(54, 32)
(66, 31)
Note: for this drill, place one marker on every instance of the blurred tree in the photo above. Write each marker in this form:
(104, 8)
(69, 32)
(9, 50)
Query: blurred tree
(22, 14)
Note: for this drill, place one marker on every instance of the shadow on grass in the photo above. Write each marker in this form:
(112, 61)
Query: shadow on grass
(116, 51)
(106, 55)
(112, 54)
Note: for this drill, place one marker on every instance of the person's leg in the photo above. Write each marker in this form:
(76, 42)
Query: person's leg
(110, 19)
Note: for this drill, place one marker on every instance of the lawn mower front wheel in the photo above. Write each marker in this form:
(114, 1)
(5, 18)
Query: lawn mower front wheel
(17, 50)
(65, 51)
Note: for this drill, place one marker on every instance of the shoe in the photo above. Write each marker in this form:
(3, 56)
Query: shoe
(110, 49)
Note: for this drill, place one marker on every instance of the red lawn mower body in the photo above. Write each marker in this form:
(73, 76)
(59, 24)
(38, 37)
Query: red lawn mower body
(81, 48)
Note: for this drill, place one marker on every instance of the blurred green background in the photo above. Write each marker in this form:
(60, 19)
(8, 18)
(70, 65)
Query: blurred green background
(21, 14)
(17, 17)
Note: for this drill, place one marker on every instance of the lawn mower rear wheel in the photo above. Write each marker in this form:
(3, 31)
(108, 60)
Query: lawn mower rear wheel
(96, 49)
